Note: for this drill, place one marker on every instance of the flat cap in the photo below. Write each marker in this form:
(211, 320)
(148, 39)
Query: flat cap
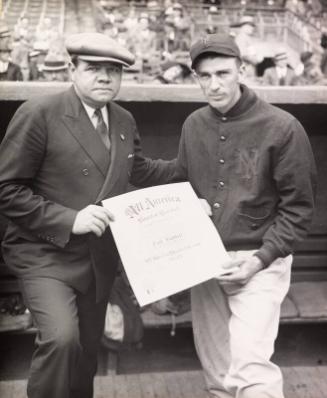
(54, 63)
(98, 47)
(280, 55)
(4, 31)
(306, 56)
(245, 20)
(218, 43)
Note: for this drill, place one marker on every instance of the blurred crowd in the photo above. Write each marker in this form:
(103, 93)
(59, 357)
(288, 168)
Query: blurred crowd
(159, 34)
(28, 53)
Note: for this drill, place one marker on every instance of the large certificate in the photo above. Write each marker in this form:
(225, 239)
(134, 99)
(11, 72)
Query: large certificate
(165, 239)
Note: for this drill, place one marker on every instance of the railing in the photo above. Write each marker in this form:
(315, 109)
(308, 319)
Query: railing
(298, 33)
(13, 91)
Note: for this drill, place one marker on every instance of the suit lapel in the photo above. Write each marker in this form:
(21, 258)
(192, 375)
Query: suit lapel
(116, 128)
(80, 126)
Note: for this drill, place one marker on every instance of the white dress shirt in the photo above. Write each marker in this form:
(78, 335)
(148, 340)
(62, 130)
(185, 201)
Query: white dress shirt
(93, 118)
(281, 72)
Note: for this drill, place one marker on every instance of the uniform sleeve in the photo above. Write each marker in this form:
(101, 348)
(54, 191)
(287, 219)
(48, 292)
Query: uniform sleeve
(181, 168)
(21, 154)
(296, 180)
(147, 172)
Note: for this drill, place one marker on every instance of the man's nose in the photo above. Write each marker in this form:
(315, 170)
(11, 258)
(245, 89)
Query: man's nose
(215, 83)
(104, 75)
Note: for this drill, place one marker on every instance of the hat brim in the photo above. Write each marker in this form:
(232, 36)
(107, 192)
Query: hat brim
(95, 58)
(53, 68)
(34, 53)
(221, 52)
(239, 24)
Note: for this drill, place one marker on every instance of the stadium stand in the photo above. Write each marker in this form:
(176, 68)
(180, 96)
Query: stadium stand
(173, 26)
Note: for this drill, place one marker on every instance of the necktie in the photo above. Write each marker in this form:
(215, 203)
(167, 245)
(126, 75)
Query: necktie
(101, 128)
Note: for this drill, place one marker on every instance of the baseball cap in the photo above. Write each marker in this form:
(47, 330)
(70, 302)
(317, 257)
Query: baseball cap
(218, 43)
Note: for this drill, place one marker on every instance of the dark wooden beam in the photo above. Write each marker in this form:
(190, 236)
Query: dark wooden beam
(14, 91)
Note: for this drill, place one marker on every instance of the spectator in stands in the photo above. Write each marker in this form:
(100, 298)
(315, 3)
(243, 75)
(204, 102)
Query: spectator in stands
(36, 61)
(246, 41)
(106, 13)
(9, 71)
(145, 40)
(311, 74)
(55, 68)
(254, 165)
(22, 29)
(323, 63)
(313, 9)
(170, 40)
(175, 72)
(212, 2)
(99, 15)
(58, 241)
(5, 35)
(22, 46)
(211, 25)
(181, 23)
(281, 74)
(144, 43)
(111, 30)
(9, 68)
(46, 33)
(157, 25)
(131, 20)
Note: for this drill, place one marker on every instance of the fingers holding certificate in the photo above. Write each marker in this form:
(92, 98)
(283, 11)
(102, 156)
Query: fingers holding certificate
(165, 239)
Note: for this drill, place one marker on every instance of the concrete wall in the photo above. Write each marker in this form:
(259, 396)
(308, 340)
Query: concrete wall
(160, 112)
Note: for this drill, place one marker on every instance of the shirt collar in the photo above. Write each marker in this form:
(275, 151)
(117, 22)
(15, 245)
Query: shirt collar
(247, 99)
(4, 66)
(90, 112)
(281, 72)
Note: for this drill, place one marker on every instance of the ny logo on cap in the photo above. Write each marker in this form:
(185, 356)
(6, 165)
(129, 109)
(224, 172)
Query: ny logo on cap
(205, 41)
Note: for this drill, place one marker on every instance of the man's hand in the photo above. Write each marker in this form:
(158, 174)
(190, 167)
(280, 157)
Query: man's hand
(93, 219)
(206, 207)
(241, 271)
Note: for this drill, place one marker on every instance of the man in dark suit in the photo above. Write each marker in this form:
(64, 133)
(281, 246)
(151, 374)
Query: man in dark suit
(61, 156)
(280, 74)
(9, 71)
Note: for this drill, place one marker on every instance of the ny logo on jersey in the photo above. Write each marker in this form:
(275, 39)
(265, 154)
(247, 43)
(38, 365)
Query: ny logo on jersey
(247, 163)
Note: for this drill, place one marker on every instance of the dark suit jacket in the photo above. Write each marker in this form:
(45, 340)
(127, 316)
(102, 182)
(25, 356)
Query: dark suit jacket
(13, 73)
(53, 164)
(271, 78)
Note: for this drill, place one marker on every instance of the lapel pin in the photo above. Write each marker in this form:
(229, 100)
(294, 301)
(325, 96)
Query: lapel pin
(122, 137)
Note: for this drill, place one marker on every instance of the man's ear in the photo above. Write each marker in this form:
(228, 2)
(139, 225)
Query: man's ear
(242, 69)
(241, 72)
(71, 68)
